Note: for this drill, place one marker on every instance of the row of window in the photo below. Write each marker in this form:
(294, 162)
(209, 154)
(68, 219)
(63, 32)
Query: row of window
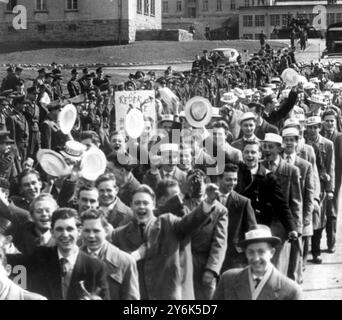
(204, 7)
(253, 3)
(284, 19)
(41, 5)
(149, 7)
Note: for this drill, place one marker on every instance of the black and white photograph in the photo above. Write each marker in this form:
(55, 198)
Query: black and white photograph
(170, 150)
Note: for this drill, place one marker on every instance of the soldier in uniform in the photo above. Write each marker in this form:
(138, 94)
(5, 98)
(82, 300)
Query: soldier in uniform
(18, 127)
(40, 79)
(9, 81)
(100, 81)
(74, 86)
(51, 134)
(57, 87)
(32, 114)
(7, 156)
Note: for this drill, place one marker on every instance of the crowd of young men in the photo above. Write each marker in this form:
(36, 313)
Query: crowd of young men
(171, 228)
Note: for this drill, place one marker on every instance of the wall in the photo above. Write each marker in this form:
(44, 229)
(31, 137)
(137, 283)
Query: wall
(94, 21)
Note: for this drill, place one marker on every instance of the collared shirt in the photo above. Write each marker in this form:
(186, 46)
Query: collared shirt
(256, 290)
(252, 138)
(69, 265)
(291, 157)
(224, 197)
(254, 171)
(95, 253)
(108, 209)
(168, 174)
(44, 237)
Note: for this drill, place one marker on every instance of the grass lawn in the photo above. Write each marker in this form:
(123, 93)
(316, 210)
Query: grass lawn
(143, 53)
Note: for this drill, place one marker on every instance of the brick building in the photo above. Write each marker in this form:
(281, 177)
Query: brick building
(80, 21)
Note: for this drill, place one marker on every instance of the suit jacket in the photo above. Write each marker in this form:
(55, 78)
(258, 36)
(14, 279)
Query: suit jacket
(265, 127)
(43, 269)
(326, 150)
(160, 272)
(122, 273)
(336, 138)
(120, 214)
(209, 242)
(308, 194)
(288, 177)
(267, 197)
(152, 178)
(306, 152)
(241, 219)
(234, 285)
(125, 192)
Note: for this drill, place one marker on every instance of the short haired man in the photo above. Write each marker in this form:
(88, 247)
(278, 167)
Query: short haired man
(260, 280)
(121, 165)
(30, 185)
(37, 232)
(64, 264)
(164, 235)
(241, 217)
(116, 212)
(122, 273)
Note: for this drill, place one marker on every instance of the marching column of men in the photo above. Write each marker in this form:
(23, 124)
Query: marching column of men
(229, 211)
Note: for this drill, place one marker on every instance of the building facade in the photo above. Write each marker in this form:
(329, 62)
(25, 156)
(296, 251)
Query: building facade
(79, 21)
(254, 19)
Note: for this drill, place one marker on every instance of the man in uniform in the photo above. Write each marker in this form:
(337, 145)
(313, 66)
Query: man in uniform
(74, 86)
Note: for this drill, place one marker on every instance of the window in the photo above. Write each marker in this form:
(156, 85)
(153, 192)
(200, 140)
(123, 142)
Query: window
(275, 19)
(72, 27)
(259, 21)
(338, 17)
(41, 28)
(330, 18)
(246, 3)
(205, 5)
(232, 5)
(139, 6)
(146, 7)
(153, 8)
(165, 6)
(41, 5)
(72, 4)
(247, 21)
(219, 5)
(285, 20)
(11, 4)
(179, 6)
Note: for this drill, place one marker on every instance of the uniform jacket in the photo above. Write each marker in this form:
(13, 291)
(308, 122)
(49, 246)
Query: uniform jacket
(122, 273)
(160, 273)
(234, 285)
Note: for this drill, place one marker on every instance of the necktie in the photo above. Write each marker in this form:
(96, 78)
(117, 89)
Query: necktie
(257, 281)
(288, 159)
(142, 229)
(63, 265)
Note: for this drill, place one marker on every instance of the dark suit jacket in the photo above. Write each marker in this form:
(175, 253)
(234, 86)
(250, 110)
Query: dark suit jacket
(288, 177)
(209, 242)
(266, 196)
(43, 269)
(120, 214)
(152, 179)
(122, 273)
(161, 274)
(266, 127)
(241, 219)
(234, 285)
(125, 192)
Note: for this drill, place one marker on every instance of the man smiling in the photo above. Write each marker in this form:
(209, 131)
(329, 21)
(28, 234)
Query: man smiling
(260, 280)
